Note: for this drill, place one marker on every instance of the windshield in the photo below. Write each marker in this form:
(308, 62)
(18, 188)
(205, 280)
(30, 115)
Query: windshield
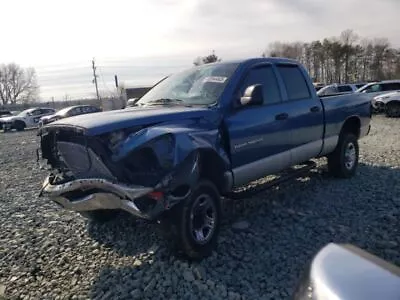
(201, 85)
(63, 111)
(24, 112)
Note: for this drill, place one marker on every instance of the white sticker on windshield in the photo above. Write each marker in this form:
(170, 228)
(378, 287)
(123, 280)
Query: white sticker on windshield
(217, 79)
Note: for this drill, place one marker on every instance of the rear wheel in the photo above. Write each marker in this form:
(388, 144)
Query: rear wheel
(343, 161)
(194, 223)
(101, 215)
(393, 110)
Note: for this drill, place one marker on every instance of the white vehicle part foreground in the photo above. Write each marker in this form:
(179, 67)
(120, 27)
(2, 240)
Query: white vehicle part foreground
(343, 271)
(111, 196)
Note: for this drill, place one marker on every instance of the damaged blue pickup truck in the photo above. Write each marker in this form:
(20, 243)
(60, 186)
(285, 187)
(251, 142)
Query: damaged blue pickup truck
(196, 136)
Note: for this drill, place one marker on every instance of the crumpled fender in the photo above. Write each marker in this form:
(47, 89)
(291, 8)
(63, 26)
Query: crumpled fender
(188, 137)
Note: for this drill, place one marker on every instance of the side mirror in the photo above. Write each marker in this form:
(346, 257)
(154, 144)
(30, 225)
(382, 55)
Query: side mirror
(253, 95)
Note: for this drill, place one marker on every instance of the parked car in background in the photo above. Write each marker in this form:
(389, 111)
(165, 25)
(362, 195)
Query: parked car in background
(199, 134)
(69, 112)
(4, 113)
(25, 119)
(388, 103)
(338, 89)
(318, 85)
(374, 89)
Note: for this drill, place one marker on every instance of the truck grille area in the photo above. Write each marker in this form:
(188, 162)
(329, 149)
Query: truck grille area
(82, 162)
(73, 155)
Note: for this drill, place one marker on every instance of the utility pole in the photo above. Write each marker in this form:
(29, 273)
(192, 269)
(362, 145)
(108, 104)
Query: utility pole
(95, 80)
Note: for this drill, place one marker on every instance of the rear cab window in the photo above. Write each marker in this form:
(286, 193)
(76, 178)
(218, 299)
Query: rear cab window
(294, 81)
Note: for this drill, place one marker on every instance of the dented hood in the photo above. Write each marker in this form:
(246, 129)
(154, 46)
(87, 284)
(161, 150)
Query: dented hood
(104, 122)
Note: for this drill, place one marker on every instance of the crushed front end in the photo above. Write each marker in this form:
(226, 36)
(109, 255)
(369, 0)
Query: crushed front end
(130, 169)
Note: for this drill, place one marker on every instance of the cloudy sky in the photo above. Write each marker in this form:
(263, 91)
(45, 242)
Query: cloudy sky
(144, 40)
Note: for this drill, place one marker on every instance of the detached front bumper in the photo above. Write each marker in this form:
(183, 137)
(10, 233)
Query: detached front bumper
(78, 195)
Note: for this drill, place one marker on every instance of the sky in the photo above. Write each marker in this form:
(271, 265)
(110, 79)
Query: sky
(144, 40)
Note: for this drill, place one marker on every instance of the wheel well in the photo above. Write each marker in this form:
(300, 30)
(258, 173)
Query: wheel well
(20, 122)
(212, 167)
(352, 125)
(393, 102)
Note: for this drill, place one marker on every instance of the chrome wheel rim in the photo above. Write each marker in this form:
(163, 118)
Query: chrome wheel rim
(203, 219)
(350, 156)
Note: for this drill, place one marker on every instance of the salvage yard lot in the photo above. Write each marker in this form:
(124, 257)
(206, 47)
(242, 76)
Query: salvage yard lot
(49, 253)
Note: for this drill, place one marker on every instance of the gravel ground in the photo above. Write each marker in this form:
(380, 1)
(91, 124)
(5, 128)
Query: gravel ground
(50, 253)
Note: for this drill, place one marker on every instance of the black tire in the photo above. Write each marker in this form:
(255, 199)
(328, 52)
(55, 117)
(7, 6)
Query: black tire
(194, 223)
(19, 125)
(343, 161)
(393, 110)
(101, 215)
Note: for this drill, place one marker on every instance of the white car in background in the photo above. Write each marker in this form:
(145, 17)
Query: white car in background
(388, 103)
(374, 89)
(339, 89)
(26, 119)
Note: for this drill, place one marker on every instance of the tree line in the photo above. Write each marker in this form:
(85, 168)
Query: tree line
(346, 58)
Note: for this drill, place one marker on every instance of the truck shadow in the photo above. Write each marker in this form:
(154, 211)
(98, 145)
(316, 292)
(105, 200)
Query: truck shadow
(288, 225)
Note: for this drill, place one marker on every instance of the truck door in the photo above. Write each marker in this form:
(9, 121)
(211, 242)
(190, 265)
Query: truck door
(259, 134)
(305, 113)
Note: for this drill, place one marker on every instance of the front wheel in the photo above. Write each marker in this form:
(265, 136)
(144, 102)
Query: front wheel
(343, 161)
(195, 221)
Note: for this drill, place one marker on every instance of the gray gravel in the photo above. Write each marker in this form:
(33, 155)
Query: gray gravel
(50, 253)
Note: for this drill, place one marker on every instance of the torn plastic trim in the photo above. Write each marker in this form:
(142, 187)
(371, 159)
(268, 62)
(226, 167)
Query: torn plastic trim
(110, 196)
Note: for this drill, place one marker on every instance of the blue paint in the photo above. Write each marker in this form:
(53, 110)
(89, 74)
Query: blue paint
(252, 132)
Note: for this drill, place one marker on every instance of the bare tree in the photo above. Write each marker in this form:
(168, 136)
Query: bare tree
(206, 59)
(347, 37)
(288, 50)
(17, 84)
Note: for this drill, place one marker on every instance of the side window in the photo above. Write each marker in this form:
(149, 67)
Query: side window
(344, 88)
(264, 75)
(296, 85)
(36, 112)
(391, 86)
(373, 88)
(47, 111)
(72, 112)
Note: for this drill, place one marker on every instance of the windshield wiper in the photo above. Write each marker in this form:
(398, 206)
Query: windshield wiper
(164, 101)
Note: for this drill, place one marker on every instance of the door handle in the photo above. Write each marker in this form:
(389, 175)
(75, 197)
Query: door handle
(315, 109)
(282, 116)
